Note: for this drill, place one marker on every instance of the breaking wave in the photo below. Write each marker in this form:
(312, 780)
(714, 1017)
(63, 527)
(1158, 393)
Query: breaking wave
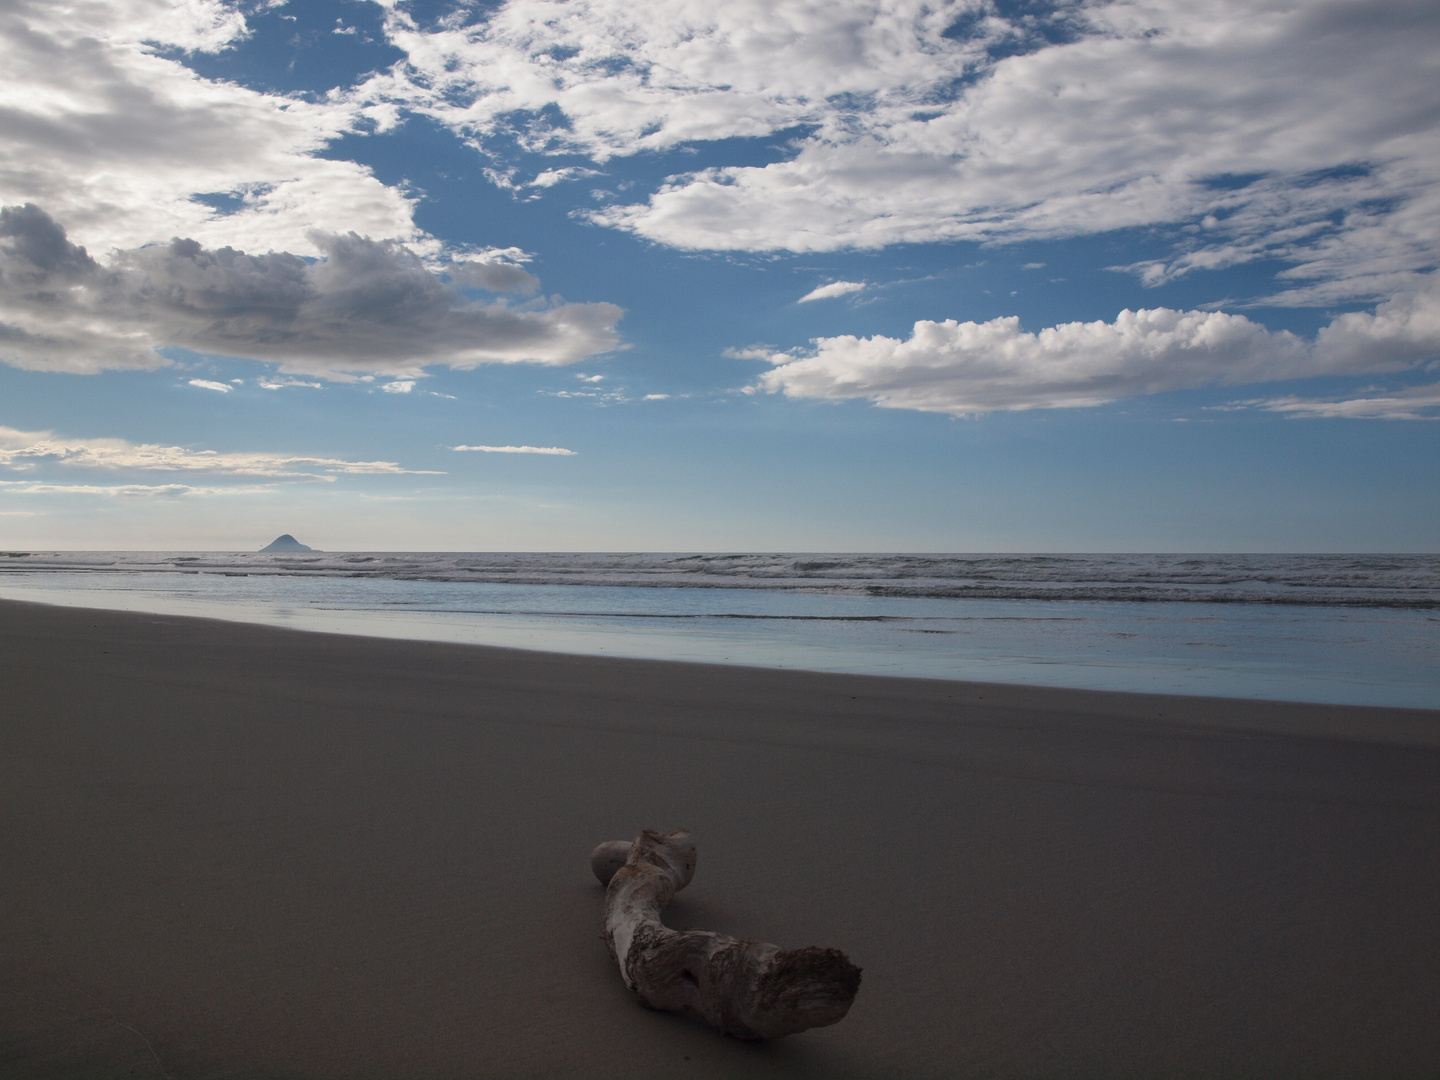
(1391, 581)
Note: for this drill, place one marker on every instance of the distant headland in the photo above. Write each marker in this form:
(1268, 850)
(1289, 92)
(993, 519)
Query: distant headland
(285, 543)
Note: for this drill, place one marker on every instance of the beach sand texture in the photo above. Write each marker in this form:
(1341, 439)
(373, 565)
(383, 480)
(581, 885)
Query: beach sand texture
(235, 851)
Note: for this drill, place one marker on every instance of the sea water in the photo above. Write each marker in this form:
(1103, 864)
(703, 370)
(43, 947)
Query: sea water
(1354, 629)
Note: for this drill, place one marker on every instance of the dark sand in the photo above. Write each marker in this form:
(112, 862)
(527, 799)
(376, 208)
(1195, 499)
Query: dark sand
(233, 851)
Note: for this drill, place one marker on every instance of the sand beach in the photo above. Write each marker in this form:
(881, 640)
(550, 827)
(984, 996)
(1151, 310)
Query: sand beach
(237, 851)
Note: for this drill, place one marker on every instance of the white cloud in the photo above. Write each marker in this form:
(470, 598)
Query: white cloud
(106, 129)
(964, 368)
(1415, 403)
(117, 140)
(192, 25)
(129, 491)
(403, 386)
(206, 384)
(1401, 331)
(24, 450)
(835, 288)
(601, 398)
(1253, 129)
(749, 352)
(366, 306)
(555, 450)
(650, 74)
(551, 177)
(281, 383)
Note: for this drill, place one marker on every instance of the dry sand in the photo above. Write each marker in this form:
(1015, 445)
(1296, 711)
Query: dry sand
(234, 851)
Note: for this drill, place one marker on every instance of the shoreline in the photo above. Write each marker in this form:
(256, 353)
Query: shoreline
(236, 849)
(1397, 725)
(1091, 666)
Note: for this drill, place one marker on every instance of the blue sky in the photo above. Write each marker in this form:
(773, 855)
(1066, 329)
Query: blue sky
(676, 275)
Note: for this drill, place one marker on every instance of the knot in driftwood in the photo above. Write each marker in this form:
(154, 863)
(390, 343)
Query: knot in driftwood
(745, 988)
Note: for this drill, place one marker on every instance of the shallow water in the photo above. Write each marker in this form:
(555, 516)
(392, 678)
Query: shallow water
(1338, 629)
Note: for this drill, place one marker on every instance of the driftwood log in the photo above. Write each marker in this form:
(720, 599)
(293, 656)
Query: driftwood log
(745, 988)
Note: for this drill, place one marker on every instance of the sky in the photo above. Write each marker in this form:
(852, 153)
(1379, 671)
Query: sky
(677, 275)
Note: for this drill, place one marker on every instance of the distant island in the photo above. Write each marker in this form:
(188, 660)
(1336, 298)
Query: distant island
(285, 543)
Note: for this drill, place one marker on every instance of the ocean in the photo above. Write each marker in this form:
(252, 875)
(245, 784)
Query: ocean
(1342, 629)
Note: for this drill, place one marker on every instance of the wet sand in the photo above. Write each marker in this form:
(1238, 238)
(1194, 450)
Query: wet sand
(236, 851)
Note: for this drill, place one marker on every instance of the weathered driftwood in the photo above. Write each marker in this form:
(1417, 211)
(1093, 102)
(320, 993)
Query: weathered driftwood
(745, 988)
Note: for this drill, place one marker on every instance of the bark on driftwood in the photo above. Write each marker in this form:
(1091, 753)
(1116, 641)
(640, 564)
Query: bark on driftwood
(745, 988)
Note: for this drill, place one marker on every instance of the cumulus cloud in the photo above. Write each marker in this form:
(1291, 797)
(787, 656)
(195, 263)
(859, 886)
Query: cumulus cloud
(1303, 133)
(106, 128)
(963, 368)
(555, 450)
(206, 384)
(364, 306)
(24, 450)
(1401, 331)
(835, 288)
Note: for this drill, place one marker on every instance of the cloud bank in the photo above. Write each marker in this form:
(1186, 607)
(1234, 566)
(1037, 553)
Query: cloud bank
(364, 306)
(1415, 403)
(964, 368)
(1249, 129)
(123, 491)
(24, 450)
